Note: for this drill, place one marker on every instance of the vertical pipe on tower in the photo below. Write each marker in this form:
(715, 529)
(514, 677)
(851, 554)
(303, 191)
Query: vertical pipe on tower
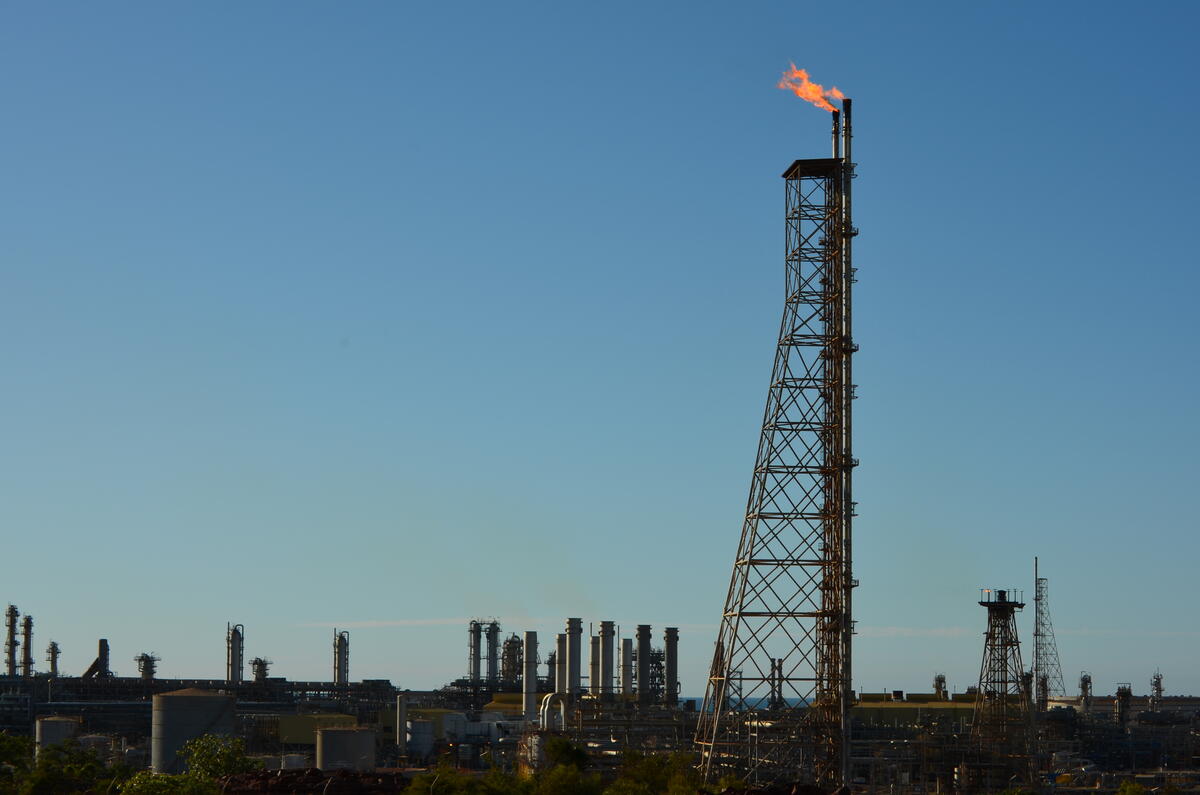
(671, 666)
(847, 672)
(529, 679)
(574, 655)
(643, 663)
(606, 660)
(560, 664)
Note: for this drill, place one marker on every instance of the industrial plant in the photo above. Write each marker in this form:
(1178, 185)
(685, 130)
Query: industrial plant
(779, 708)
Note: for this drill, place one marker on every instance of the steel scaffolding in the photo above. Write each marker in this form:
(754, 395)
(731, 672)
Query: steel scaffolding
(777, 703)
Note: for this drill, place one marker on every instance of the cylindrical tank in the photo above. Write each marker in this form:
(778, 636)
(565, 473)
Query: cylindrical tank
(54, 730)
(345, 748)
(183, 715)
(529, 682)
(574, 655)
(420, 739)
(293, 762)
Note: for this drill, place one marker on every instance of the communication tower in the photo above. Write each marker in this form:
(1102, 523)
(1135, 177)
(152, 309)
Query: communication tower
(776, 707)
(1047, 671)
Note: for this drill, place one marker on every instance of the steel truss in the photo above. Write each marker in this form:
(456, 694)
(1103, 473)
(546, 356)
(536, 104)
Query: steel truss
(777, 702)
(1047, 670)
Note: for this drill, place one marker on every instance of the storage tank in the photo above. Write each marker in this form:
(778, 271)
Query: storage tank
(293, 762)
(345, 748)
(54, 730)
(183, 715)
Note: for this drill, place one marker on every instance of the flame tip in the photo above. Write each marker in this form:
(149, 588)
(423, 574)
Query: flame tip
(797, 81)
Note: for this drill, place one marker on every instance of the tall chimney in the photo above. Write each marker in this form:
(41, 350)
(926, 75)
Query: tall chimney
(574, 655)
(606, 660)
(529, 680)
(671, 666)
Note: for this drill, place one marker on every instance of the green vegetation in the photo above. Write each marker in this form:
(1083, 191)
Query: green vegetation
(67, 767)
(568, 770)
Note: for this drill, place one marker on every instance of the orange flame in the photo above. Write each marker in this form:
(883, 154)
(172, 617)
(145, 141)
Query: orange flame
(796, 81)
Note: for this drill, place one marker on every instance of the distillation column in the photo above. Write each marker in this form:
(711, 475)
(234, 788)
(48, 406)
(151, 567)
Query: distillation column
(474, 652)
(671, 666)
(643, 663)
(493, 654)
(27, 646)
(11, 643)
(560, 664)
(626, 666)
(234, 652)
(606, 660)
(574, 655)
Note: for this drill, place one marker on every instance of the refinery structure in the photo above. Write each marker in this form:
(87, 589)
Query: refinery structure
(779, 706)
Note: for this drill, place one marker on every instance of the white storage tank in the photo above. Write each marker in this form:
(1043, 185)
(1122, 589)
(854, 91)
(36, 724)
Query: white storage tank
(345, 748)
(55, 730)
(183, 715)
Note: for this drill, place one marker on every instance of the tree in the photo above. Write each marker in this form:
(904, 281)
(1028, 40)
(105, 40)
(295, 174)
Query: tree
(69, 767)
(212, 756)
(560, 751)
(673, 774)
(16, 758)
(147, 783)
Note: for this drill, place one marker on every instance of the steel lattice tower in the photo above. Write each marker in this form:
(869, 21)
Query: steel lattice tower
(1047, 670)
(776, 708)
(1002, 720)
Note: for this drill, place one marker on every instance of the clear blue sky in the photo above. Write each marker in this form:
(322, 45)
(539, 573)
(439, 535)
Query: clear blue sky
(386, 315)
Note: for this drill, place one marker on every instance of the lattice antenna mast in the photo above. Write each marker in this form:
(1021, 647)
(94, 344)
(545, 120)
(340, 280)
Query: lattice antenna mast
(776, 708)
(1046, 668)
